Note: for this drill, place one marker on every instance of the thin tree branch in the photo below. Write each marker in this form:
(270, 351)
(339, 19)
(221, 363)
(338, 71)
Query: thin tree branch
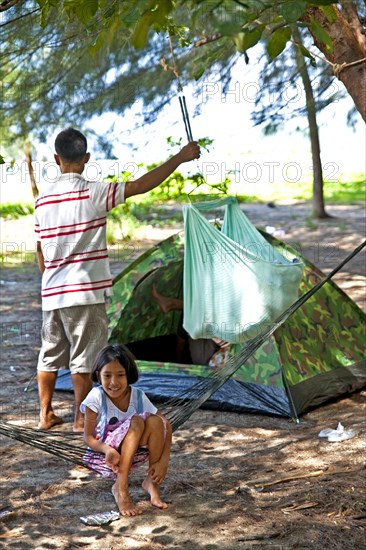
(7, 4)
(241, 4)
(207, 39)
(20, 17)
(38, 45)
(276, 27)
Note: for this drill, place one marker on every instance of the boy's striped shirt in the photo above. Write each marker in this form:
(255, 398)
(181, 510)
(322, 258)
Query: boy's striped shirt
(70, 223)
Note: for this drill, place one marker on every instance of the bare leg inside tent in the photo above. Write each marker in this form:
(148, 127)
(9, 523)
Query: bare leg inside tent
(200, 349)
(166, 303)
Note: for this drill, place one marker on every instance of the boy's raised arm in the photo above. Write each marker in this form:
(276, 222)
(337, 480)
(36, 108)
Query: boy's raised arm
(156, 176)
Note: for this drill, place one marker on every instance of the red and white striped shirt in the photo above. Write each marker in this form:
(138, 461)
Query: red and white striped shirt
(70, 223)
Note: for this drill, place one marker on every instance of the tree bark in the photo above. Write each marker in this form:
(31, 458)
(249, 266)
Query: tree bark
(28, 158)
(349, 46)
(318, 187)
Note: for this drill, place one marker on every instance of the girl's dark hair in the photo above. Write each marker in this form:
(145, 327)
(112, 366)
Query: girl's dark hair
(71, 145)
(116, 352)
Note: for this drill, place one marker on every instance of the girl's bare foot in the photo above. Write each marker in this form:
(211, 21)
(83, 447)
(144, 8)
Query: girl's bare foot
(46, 422)
(154, 492)
(123, 500)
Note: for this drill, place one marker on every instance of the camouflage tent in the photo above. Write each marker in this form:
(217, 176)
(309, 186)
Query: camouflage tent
(316, 355)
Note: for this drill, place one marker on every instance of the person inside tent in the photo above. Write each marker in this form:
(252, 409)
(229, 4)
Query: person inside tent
(201, 351)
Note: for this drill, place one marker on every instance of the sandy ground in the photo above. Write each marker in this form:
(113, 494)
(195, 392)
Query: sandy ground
(236, 481)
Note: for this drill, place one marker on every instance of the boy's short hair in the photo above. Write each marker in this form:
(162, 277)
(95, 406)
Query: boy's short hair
(71, 145)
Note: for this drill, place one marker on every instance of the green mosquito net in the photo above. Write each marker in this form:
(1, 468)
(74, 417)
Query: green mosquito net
(234, 283)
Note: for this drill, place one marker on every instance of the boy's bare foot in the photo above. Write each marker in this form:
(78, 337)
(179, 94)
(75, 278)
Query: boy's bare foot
(78, 427)
(154, 492)
(46, 422)
(123, 500)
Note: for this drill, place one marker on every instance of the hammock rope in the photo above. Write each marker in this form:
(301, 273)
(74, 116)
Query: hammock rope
(46, 441)
(180, 408)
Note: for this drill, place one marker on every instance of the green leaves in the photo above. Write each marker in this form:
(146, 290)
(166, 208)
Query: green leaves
(139, 37)
(277, 42)
(330, 13)
(242, 22)
(292, 10)
(84, 10)
(2, 160)
(245, 40)
(305, 52)
(46, 5)
(156, 16)
(321, 34)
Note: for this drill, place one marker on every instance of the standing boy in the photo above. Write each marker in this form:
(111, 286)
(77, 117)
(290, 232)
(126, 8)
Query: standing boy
(70, 224)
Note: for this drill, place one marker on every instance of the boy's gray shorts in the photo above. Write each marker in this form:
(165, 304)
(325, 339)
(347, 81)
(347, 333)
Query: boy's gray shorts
(72, 337)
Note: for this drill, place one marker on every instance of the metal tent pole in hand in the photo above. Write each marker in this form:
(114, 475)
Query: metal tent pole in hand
(183, 106)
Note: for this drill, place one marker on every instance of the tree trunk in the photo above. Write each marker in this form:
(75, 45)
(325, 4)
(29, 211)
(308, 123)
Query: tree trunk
(318, 195)
(28, 158)
(349, 46)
